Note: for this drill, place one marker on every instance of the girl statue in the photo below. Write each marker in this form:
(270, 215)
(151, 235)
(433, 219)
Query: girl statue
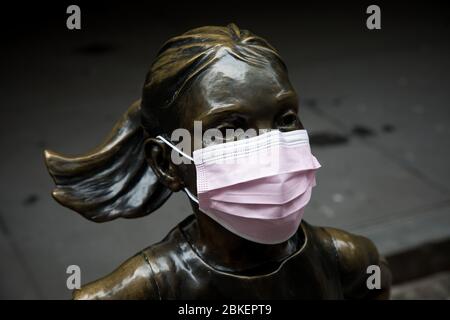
(226, 78)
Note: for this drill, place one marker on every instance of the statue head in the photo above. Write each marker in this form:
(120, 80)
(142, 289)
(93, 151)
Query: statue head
(225, 77)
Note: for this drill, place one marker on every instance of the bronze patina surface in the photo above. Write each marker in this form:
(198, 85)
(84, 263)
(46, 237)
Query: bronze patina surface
(226, 78)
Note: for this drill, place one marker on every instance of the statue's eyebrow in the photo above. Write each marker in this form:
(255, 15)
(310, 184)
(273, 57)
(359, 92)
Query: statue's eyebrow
(286, 95)
(288, 100)
(218, 111)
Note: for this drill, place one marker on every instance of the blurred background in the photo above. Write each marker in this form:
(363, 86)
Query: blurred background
(376, 104)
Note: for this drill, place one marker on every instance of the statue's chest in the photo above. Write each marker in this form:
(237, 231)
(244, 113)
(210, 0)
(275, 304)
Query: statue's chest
(306, 277)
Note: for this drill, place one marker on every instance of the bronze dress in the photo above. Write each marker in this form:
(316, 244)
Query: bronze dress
(330, 264)
(307, 273)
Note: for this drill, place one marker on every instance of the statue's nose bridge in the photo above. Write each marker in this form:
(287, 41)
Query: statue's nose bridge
(264, 124)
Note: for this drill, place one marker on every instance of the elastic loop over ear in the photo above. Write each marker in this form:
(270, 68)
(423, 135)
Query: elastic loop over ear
(175, 148)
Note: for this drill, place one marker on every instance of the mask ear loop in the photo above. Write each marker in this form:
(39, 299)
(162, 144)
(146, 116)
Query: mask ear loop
(189, 194)
(175, 148)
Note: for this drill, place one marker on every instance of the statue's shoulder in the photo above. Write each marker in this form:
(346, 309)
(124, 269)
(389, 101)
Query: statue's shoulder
(172, 252)
(354, 252)
(165, 255)
(137, 277)
(357, 255)
(351, 249)
(131, 280)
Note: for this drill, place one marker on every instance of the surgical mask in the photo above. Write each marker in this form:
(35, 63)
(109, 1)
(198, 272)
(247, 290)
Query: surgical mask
(257, 187)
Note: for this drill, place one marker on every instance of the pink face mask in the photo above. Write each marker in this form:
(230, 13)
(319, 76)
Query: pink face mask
(258, 187)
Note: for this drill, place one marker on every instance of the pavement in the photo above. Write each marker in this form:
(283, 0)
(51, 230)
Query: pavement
(376, 104)
(436, 286)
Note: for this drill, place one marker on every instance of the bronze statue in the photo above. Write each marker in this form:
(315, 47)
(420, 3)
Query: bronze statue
(198, 76)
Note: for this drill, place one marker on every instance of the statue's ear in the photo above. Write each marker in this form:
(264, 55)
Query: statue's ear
(158, 158)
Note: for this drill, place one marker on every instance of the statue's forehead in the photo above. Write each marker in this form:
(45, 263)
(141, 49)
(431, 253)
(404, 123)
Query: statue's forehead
(230, 79)
(230, 85)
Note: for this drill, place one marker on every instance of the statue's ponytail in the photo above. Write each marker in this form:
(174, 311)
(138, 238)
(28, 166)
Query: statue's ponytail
(112, 181)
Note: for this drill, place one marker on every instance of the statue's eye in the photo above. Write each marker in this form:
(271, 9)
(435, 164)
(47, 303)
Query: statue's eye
(232, 128)
(230, 132)
(226, 126)
(288, 120)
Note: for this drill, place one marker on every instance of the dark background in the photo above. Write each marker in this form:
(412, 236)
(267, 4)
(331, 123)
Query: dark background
(376, 104)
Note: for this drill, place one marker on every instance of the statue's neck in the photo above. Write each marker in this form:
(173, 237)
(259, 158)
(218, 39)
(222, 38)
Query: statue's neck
(227, 251)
